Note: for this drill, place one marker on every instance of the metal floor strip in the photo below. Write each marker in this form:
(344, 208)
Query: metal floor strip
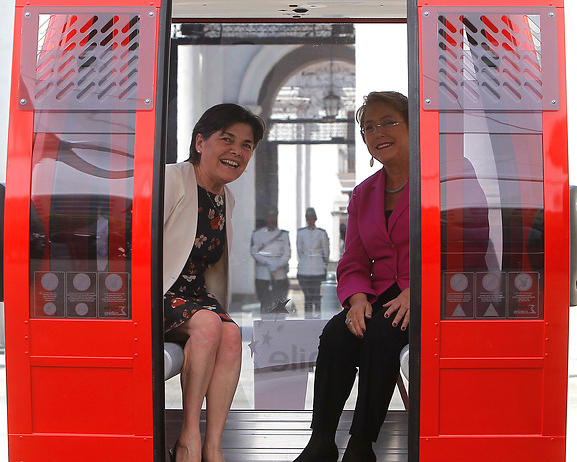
(275, 436)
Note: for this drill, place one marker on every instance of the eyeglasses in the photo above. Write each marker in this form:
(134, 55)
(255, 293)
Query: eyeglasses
(385, 127)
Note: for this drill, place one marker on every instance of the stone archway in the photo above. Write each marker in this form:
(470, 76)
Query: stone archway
(304, 57)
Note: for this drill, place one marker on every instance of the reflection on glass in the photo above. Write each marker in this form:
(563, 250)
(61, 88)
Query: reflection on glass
(492, 225)
(80, 231)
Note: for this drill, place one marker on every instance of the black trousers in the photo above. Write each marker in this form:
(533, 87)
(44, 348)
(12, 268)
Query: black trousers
(270, 293)
(376, 356)
(311, 287)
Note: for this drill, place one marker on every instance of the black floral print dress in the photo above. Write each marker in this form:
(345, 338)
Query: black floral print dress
(188, 294)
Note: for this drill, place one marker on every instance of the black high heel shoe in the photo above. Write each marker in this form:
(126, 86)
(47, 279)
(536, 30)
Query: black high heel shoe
(359, 449)
(330, 455)
(321, 448)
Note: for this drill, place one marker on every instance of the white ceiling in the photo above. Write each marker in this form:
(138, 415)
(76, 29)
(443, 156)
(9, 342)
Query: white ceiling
(285, 9)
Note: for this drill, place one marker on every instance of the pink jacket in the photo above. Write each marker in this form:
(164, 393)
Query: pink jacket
(375, 256)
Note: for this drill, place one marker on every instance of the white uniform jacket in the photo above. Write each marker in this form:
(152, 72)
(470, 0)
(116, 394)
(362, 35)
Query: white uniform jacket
(271, 251)
(180, 221)
(313, 251)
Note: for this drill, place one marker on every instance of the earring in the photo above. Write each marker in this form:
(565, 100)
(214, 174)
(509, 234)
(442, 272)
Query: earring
(372, 161)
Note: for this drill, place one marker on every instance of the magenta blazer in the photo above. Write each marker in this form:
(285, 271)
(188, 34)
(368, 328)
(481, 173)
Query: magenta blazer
(376, 255)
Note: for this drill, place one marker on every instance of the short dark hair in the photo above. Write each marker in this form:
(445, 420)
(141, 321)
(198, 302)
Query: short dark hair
(393, 99)
(219, 118)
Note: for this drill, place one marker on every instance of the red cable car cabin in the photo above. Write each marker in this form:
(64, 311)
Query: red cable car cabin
(490, 214)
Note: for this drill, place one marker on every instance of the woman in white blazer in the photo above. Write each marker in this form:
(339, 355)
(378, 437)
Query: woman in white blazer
(197, 236)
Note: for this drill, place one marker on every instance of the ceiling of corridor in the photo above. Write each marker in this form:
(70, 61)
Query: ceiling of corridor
(285, 9)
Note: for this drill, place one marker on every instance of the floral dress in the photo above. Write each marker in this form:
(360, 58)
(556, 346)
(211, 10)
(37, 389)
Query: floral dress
(188, 294)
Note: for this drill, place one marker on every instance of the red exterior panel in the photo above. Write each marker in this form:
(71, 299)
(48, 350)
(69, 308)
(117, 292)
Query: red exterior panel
(494, 381)
(80, 389)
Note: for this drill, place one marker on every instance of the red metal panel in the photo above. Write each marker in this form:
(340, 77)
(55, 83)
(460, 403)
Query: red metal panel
(490, 401)
(15, 254)
(80, 387)
(141, 263)
(491, 339)
(87, 400)
(496, 389)
(76, 332)
(481, 449)
(557, 253)
(67, 447)
(431, 273)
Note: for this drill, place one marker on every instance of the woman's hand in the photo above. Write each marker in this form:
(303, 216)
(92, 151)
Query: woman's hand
(359, 310)
(402, 306)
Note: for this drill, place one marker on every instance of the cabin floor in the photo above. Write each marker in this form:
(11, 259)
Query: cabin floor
(281, 435)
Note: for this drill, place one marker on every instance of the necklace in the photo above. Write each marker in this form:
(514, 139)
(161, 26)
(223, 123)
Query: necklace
(217, 202)
(393, 191)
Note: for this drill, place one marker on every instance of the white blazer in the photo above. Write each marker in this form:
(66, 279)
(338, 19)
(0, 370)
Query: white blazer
(180, 221)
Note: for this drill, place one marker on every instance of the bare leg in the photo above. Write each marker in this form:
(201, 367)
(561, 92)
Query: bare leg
(204, 332)
(221, 391)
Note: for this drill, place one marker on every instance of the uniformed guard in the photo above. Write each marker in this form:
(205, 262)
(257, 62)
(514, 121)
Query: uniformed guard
(313, 254)
(270, 248)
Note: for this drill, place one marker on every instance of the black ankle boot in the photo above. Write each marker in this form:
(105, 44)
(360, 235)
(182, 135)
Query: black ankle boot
(359, 449)
(321, 448)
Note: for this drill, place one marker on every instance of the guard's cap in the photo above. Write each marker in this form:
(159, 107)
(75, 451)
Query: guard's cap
(310, 213)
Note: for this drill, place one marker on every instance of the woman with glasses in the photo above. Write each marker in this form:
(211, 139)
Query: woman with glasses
(373, 287)
(197, 237)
